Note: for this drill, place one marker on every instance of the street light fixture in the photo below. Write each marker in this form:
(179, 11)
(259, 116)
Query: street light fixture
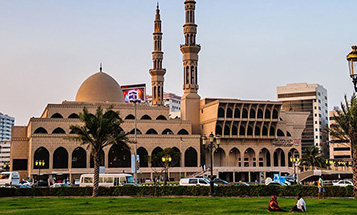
(6, 166)
(210, 146)
(294, 160)
(135, 101)
(39, 164)
(352, 65)
(166, 160)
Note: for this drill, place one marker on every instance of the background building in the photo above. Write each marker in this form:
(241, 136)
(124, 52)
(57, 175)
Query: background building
(6, 122)
(4, 152)
(311, 98)
(339, 149)
(172, 101)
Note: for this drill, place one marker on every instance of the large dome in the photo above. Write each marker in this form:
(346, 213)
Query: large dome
(100, 87)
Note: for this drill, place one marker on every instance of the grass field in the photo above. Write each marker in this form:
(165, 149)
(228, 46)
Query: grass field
(167, 205)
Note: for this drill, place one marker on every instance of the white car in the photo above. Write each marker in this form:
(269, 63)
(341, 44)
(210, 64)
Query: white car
(343, 183)
(195, 182)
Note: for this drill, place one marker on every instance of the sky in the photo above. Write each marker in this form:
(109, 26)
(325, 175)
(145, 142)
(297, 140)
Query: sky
(48, 48)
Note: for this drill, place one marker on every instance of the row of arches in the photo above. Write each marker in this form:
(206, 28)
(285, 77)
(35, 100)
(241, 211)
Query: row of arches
(71, 116)
(250, 158)
(129, 117)
(249, 131)
(167, 131)
(118, 156)
(253, 114)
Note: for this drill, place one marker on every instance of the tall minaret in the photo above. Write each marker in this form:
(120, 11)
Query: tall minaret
(190, 102)
(157, 72)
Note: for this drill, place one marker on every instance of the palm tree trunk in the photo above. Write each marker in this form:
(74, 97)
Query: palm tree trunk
(96, 158)
(354, 169)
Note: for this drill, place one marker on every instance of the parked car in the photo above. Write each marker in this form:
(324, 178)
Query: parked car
(40, 183)
(9, 178)
(60, 185)
(239, 184)
(219, 181)
(343, 183)
(274, 183)
(195, 182)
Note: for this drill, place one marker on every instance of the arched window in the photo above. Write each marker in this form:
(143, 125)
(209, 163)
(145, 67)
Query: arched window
(272, 131)
(119, 156)
(229, 113)
(73, 116)
(264, 158)
(257, 131)
(292, 153)
(40, 130)
(79, 158)
(154, 154)
(249, 158)
(227, 131)
(275, 114)
(56, 115)
(192, 74)
(280, 133)
(265, 131)
(235, 130)
(260, 114)
(167, 131)
(102, 159)
(183, 131)
(220, 112)
(196, 77)
(233, 157)
(60, 158)
(151, 131)
(161, 117)
(236, 113)
(178, 161)
(130, 117)
(288, 134)
(267, 114)
(143, 157)
(58, 131)
(219, 157)
(146, 117)
(187, 74)
(245, 113)
(133, 131)
(279, 157)
(218, 130)
(241, 130)
(191, 157)
(252, 114)
(41, 154)
(250, 130)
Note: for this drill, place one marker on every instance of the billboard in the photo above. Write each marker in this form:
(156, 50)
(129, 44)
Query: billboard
(133, 92)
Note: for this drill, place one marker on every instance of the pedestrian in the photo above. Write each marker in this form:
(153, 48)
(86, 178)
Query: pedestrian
(300, 205)
(273, 204)
(320, 185)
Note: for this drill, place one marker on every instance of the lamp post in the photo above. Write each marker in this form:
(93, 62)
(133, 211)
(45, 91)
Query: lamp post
(6, 166)
(38, 164)
(166, 160)
(210, 146)
(294, 160)
(352, 65)
(135, 101)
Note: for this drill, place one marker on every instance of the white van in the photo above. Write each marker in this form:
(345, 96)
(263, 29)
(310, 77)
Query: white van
(195, 182)
(9, 178)
(107, 180)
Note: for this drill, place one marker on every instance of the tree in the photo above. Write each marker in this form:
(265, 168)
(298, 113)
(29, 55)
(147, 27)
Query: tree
(345, 128)
(313, 157)
(98, 131)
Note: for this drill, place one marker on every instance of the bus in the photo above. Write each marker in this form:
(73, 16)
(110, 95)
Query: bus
(9, 178)
(107, 180)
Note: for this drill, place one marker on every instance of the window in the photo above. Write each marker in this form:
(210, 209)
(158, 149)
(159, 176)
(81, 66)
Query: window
(192, 181)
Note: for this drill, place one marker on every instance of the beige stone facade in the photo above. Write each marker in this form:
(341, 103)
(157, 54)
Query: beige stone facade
(258, 138)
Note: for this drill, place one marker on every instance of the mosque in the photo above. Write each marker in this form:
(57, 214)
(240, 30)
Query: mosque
(257, 137)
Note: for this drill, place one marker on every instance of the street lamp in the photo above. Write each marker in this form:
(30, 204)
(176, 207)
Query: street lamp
(166, 160)
(135, 101)
(6, 166)
(352, 65)
(210, 146)
(294, 160)
(39, 163)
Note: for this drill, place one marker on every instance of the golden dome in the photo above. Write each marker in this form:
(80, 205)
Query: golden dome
(100, 87)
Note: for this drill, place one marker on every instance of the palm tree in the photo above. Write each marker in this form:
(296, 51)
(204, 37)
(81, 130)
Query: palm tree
(345, 128)
(98, 131)
(313, 157)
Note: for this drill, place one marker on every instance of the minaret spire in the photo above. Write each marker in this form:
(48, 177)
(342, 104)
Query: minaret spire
(157, 72)
(190, 102)
(100, 68)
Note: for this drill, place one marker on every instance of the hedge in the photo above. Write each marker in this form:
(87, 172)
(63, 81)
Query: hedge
(222, 191)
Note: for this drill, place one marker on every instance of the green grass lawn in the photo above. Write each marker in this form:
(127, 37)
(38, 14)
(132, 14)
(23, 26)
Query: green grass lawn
(180, 205)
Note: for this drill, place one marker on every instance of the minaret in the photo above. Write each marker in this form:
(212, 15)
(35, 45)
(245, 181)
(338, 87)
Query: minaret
(190, 102)
(157, 72)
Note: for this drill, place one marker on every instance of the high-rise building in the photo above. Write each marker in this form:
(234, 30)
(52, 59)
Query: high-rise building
(4, 152)
(172, 101)
(6, 122)
(312, 98)
(339, 149)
